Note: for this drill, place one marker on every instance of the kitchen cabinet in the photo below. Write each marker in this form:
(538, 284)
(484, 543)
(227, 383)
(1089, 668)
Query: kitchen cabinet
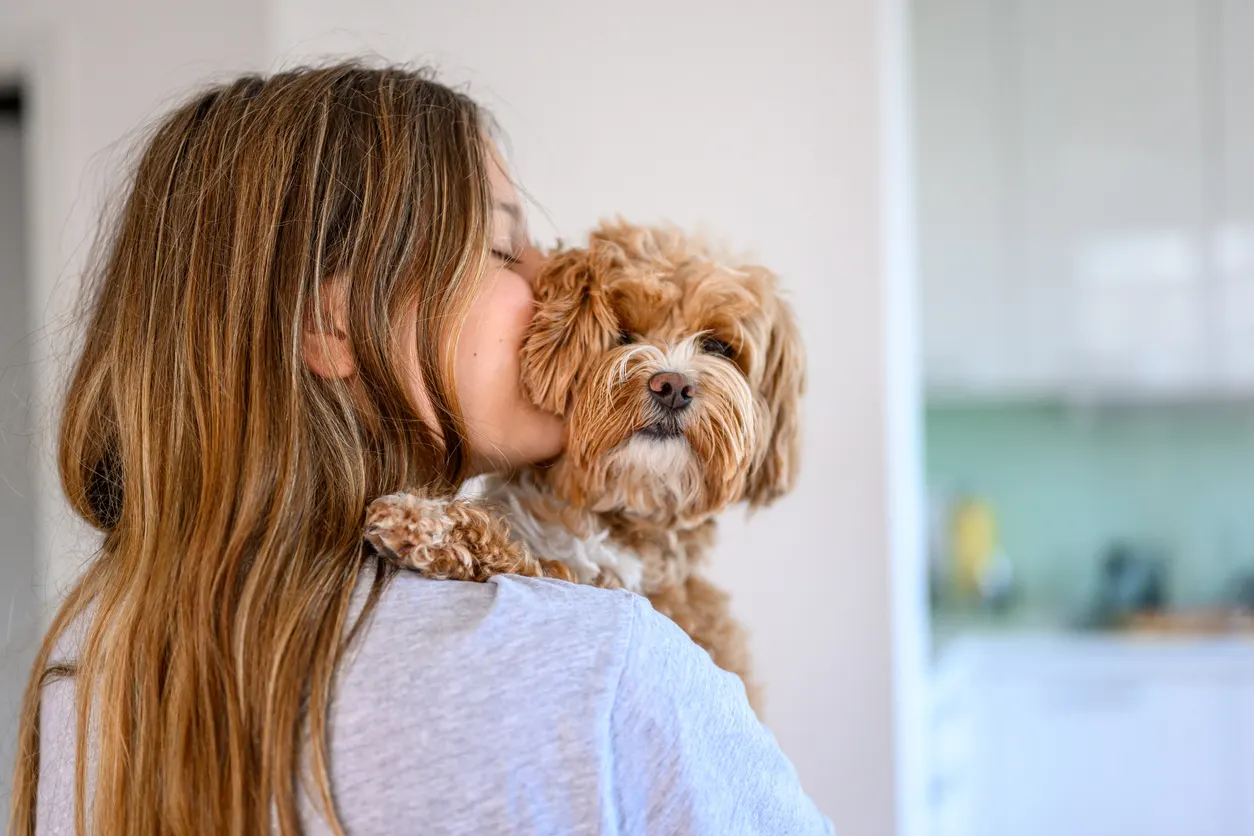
(1234, 65)
(962, 149)
(1094, 737)
(1085, 195)
(1111, 195)
(1244, 738)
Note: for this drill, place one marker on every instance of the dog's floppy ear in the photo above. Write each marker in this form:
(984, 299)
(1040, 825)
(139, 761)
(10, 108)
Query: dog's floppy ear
(774, 472)
(573, 326)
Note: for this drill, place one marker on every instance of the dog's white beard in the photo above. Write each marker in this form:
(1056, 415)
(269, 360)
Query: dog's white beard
(649, 475)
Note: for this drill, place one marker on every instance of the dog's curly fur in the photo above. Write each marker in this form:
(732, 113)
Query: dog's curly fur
(631, 502)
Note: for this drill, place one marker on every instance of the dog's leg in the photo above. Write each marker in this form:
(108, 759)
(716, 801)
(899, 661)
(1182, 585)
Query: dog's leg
(451, 539)
(703, 611)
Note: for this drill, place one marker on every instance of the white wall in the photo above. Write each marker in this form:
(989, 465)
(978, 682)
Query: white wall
(763, 121)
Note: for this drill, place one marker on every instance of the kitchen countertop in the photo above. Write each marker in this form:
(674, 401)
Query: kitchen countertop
(950, 625)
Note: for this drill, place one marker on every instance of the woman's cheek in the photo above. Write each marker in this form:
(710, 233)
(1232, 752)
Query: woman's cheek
(488, 356)
(517, 306)
(533, 434)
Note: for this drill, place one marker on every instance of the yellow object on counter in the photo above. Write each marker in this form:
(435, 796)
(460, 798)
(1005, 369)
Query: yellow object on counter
(973, 544)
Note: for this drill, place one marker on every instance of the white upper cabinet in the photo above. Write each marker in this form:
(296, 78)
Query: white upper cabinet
(1112, 189)
(961, 150)
(1233, 65)
(1084, 213)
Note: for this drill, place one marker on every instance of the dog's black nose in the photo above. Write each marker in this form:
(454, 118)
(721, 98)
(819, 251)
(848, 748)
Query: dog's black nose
(671, 389)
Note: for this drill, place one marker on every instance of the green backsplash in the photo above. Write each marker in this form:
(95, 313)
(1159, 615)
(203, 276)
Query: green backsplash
(1065, 481)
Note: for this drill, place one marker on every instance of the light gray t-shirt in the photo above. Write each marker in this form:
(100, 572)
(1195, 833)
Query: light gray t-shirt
(524, 706)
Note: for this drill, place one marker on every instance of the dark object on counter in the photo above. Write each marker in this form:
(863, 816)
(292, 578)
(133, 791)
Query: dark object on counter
(1242, 592)
(1131, 581)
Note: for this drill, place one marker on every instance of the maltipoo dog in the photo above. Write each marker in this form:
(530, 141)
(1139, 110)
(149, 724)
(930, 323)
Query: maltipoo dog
(680, 378)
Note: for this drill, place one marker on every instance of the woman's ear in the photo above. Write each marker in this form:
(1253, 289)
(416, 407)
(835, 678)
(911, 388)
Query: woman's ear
(327, 349)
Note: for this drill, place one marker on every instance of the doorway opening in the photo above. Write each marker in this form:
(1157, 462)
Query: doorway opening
(19, 595)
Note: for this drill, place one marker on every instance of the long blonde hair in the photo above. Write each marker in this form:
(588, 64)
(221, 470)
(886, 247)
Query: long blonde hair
(229, 482)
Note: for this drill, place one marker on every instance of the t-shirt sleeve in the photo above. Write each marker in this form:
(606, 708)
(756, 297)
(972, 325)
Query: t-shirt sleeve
(689, 755)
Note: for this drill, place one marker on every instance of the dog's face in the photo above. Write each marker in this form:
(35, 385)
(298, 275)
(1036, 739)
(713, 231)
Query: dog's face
(680, 378)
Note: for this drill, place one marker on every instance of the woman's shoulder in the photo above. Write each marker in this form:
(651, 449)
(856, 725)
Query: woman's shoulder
(505, 604)
(429, 638)
(545, 634)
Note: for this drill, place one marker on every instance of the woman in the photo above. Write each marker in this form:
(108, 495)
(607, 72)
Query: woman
(315, 294)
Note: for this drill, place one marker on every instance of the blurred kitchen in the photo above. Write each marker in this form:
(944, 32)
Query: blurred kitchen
(1085, 215)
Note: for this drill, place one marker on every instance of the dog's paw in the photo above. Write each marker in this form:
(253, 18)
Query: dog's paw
(450, 539)
(409, 529)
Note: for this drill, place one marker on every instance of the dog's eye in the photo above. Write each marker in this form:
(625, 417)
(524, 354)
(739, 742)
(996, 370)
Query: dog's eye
(626, 337)
(713, 346)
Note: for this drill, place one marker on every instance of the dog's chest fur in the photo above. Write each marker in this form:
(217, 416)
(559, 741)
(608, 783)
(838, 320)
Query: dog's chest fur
(585, 542)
